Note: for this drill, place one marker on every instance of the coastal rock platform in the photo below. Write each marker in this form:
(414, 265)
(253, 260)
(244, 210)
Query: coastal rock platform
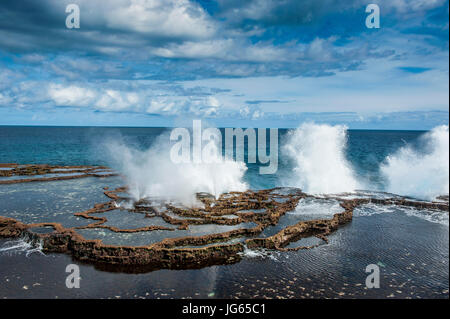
(245, 217)
(11, 173)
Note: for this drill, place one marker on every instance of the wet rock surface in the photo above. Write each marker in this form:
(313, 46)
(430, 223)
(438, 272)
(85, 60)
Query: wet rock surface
(260, 209)
(11, 173)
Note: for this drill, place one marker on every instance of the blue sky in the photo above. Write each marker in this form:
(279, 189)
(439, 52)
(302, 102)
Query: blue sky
(261, 63)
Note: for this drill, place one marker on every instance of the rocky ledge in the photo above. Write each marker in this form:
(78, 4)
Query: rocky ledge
(11, 173)
(262, 209)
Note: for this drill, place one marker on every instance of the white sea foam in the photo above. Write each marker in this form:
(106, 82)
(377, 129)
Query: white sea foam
(151, 173)
(420, 174)
(318, 154)
(432, 216)
(23, 245)
(259, 253)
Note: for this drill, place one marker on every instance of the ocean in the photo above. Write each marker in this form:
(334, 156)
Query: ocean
(365, 150)
(410, 246)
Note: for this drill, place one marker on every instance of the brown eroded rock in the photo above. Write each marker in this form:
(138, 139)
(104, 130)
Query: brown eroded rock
(64, 172)
(210, 249)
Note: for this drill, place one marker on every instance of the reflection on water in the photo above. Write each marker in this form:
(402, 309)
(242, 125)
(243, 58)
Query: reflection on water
(54, 201)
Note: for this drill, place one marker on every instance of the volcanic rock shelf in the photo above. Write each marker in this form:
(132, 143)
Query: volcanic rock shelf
(11, 173)
(174, 236)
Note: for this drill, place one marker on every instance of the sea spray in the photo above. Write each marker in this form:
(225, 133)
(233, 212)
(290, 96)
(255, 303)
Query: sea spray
(151, 173)
(25, 244)
(318, 156)
(420, 173)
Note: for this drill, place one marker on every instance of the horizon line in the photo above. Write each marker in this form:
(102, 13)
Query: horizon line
(166, 127)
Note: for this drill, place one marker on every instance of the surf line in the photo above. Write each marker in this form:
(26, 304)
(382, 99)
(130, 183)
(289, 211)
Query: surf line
(180, 151)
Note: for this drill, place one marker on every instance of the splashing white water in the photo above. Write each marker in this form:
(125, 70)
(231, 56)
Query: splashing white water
(259, 253)
(318, 153)
(151, 173)
(422, 175)
(22, 245)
